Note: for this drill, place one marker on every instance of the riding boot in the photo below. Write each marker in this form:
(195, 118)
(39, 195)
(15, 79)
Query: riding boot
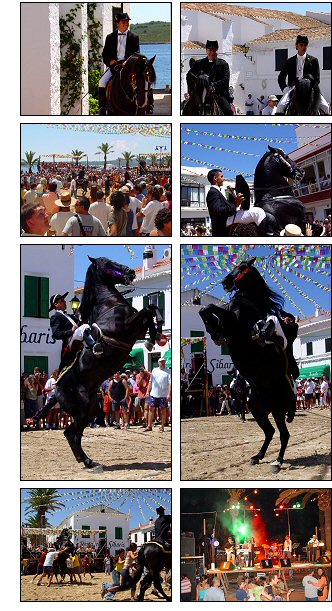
(96, 347)
(102, 101)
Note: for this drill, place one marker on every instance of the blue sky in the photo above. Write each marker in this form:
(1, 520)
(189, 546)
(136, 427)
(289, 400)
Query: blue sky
(237, 162)
(120, 254)
(140, 503)
(46, 140)
(289, 283)
(141, 12)
(296, 7)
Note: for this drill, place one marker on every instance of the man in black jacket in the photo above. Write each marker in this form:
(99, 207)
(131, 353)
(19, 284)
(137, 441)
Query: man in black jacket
(68, 329)
(162, 526)
(219, 208)
(119, 45)
(301, 65)
(218, 72)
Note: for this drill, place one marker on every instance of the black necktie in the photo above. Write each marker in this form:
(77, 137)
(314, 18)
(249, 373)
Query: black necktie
(121, 34)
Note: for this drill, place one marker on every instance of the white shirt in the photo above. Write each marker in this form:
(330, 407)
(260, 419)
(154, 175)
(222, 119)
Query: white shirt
(122, 40)
(58, 221)
(135, 205)
(324, 387)
(50, 385)
(160, 382)
(150, 212)
(50, 558)
(101, 211)
(300, 59)
(309, 388)
(30, 196)
(310, 591)
(269, 111)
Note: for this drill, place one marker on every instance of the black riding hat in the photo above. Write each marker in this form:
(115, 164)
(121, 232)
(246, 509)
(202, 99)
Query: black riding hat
(212, 44)
(122, 17)
(56, 298)
(303, 39)
(160, 510)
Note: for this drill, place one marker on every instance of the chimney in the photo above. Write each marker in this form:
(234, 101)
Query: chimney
(149, 258)
(318, 311)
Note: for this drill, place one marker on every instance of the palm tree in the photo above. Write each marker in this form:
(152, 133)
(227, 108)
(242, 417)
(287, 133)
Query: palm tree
(323, 497)
(43, 501)
(33, 522)
(128, 157)
(153, 158)
(106, 149)
(30, 159)
(167, 160)
(78, 155)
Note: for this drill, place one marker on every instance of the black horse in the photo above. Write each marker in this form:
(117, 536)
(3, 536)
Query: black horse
(64, 545)
(203, 100)
(117, 326)
(265, 365)
(129, 91)
(154, 558)
(305, 99)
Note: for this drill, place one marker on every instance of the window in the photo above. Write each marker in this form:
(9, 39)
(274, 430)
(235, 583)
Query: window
(103, 532)
(85, 527)
(224, 349)
(129, 300)
(309, 349)
(226, 379)
(30, 362)
(327, 344)
(156, 299)
(145, 537)
(326, 58)
(193, 196)
(281, 56)
(36, 296)
(199, 346)
(135, 538)
(118, 532)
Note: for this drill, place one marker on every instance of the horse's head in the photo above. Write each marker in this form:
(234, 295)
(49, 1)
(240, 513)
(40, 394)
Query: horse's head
(240, 276)
(285, 165)
(111, 273)
(200, 91)
(140, 74)
(306, 96)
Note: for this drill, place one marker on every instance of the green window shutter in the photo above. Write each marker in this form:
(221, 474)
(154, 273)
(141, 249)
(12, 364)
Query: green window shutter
(44, 297)
(224, 349)
(129, 300)
(102, 533)
(145, 301)
(118, 532)
(85, 527)
(31, 296)
(161, 303)
(30, 362)
(199, 347)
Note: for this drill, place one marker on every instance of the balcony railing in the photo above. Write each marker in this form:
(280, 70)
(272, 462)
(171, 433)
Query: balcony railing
(312, 187)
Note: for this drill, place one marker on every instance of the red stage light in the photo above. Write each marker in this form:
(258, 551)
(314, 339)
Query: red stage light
(251, 507)
(281, 506)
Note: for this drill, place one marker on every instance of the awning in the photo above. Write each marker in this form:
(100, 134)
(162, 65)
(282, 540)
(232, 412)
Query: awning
(315, 371)
(136, 359)
(168, 357)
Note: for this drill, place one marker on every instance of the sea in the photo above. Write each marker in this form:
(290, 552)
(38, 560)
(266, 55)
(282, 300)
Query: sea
(162, 63)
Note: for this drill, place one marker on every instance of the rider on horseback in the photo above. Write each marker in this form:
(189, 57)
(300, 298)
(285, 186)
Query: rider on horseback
(119, 46)
(162, 528)
(70, 330)
(218, 72)
(298, 67)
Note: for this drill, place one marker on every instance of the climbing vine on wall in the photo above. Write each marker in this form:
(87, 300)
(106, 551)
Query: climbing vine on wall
(71, 62)
(95, 50)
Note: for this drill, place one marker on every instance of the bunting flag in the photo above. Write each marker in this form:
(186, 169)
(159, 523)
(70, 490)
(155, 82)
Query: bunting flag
(219, 148)
(163, 130)
(294, 141)
(213, 165)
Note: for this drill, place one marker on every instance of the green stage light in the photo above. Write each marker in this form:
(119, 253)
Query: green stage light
(242, 529)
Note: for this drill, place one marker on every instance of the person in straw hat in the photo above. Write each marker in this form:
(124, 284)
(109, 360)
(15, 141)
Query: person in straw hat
(60, 218)
(291, 231)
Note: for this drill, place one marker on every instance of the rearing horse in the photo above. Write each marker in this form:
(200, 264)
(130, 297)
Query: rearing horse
(129, 91)
(117, 326)
(265, 366)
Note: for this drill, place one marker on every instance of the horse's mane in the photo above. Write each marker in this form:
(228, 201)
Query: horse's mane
(202, 82)
(255, 287)
(306, 97)
(88, 297)
(134, 58)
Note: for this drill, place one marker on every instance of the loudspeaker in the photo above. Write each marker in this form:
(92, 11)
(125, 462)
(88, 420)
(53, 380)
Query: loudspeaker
(187, 546)
(189, 568)
(227, 566)
(267, 563)
(285, 562)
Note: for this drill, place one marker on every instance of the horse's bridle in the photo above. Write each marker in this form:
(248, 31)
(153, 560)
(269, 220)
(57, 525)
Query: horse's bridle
(133, 85)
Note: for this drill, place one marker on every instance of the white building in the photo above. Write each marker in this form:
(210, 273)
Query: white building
(152, 285)
(41, 51)
(143, 534)
(219, 362)
(312, 347)
(112, 524)
(314, 156)
(45, 271)
(194, 189)
(255, 42)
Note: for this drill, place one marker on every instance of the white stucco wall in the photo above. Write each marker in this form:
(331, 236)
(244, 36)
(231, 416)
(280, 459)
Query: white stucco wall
(58, 265)
(95, 520)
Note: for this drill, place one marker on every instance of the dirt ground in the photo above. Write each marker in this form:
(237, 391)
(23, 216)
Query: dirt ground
(162, 104)
(89, 591)
(125, 455)
(220, 447)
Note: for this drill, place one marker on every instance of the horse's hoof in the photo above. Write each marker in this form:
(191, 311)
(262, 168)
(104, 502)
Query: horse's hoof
(254, 460)
(93, 466)
(275, 466)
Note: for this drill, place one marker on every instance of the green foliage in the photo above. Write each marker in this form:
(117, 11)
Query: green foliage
(93, 105)
(94, 78)
(30, 159)
(152, 32)
(95, 34)
(71, 61)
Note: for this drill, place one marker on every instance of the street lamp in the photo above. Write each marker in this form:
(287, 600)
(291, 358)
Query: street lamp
(160, 149)
(75, 304)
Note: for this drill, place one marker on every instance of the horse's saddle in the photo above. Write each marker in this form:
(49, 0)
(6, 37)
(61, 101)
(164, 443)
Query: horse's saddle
(165, 545)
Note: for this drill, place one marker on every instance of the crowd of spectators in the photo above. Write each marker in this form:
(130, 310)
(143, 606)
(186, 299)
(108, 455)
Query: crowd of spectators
(129, 398)
(65, 200)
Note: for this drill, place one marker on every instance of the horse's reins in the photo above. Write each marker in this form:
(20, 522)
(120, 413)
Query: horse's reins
(115, 343)
(134, 86)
